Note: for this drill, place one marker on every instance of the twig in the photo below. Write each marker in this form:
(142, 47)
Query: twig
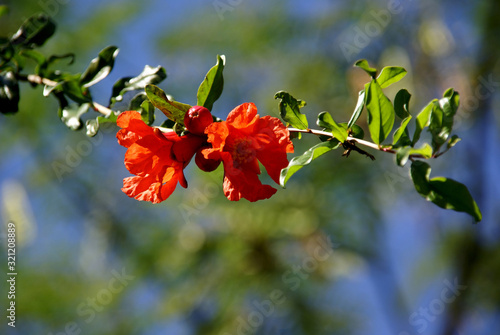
(32, 78)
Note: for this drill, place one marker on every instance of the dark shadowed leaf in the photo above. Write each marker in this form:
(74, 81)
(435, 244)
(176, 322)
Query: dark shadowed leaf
(34, 32)
(402, 104)
(401, 136)
(9, 93)
(445, 193)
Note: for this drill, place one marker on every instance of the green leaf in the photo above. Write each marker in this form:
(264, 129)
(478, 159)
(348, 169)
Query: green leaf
(326, 121)
(356, 131)
(454, 99)
(174, 110)
(453, 141)
(381, 113)
(450, 194)
(403, 154)
(358, 109)
(306, 158)
(290, 110)
(4, 9)
(74, 91)
(137, 100)
(37, 56)
(147, 111)
(401, 134)
(93, 125)
(445, 193)
(71, 115)
(423, 120)
(441, 123)
(363, 64)
(150, 75)
(211, 88)
(402, 103)
(9, 93)
(390, 75)
(34, 32)
(99, 67)
(420, 173)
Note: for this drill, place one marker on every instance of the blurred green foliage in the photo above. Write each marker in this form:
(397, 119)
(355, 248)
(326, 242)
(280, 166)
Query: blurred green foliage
(201, 265)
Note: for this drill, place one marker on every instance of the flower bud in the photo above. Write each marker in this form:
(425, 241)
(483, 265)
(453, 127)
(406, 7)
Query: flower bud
(207, 165)
(197, 119)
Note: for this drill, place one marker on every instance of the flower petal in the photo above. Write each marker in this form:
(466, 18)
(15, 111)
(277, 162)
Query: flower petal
(142, 188)
(133, 128)
(243, 116)
(244, 184)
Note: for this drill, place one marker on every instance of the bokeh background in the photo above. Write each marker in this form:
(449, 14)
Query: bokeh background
(348, 248)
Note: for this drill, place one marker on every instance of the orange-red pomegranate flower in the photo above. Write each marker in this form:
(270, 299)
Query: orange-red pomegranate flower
(241, 142)
(157, 159)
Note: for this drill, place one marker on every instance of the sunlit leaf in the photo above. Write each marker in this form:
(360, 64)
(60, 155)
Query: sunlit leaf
(147, 111)
(423, 120)
(358, 109)
(174, 110)
(403, 154)
(306, 158)
(363, 64)
(326, 121)
(453, 141)
(390, 75)
(150, 75)
(71, 115)
(380, 113)
(290, 110)
(211, 88)
(99, 67)
(93, 125)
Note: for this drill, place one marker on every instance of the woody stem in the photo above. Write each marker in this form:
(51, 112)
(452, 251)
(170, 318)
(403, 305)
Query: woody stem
(34, 79)
(350, 140)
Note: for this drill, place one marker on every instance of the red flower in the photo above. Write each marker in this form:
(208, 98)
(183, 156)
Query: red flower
(157, 159)
(241, 142)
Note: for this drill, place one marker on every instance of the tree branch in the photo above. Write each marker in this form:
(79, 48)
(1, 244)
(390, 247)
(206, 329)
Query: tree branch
(34, 79)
